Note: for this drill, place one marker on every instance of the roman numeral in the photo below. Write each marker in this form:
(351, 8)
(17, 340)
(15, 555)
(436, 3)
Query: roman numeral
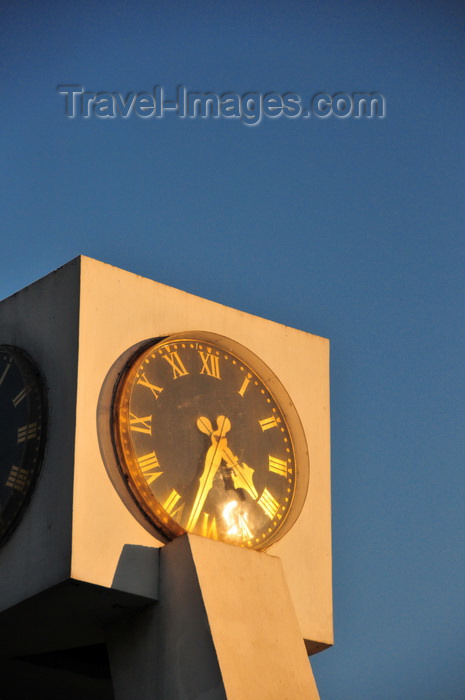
(268, 503)
(278, 466)
(209, 528)
(210, 364)
(17, 478)
(5, 371)
(170, 504)
(26, 432)
(244, 528)
(271, 422)
(156, 390)
(149, 465)
(244, 386)
(140, 425)
(176, 364)
(19, 397)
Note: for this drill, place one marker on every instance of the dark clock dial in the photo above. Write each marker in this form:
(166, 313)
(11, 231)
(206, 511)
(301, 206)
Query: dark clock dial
(22, 434)
(203, 443)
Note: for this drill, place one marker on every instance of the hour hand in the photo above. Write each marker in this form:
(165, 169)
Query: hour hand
(242, 474)
(204, 425)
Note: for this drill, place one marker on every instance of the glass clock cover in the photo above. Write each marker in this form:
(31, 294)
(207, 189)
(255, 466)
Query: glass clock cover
(209, 442)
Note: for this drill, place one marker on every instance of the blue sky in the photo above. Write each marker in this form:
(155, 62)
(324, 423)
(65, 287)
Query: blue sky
(348, 228)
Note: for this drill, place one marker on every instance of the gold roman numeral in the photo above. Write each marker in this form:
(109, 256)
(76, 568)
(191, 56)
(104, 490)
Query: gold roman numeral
(149, 465)
(5, 371)
(209, 528)
(140, 425)
(19, 397)
(171, 502)
(278, 466)
(27, 432)
(210, 364)
(156, 390)
(271, 422)
(244, 528)
(17, 478)
(269, 503)
(245, 384)
(176, 364)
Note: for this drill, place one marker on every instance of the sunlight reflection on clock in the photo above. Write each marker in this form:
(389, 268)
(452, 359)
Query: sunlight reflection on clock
(236, 520)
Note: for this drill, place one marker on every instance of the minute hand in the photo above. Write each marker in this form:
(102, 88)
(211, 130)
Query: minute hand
(212, 462)
(242, 475)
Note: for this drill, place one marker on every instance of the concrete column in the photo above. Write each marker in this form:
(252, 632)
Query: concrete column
(224, 627)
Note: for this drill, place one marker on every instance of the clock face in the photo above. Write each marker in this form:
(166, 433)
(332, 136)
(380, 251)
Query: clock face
(22, 434)
(204, 444)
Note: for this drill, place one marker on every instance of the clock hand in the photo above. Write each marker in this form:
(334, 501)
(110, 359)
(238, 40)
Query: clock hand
(212, 462)
(242, 473)
(204, 425)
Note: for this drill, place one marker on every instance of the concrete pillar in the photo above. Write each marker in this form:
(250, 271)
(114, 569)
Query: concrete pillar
(224, 627)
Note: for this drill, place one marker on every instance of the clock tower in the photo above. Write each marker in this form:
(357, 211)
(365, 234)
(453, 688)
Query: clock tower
(165, 494)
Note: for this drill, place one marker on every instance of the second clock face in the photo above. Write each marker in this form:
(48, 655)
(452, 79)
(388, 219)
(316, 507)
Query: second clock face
(203, 443)
(22, 434)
